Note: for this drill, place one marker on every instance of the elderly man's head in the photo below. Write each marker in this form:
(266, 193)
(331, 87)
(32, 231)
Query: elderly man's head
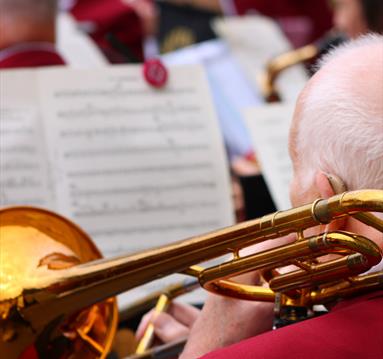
(338, 124)
(27, 21)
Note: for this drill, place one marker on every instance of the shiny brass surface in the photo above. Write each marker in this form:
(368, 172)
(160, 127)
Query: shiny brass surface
(36, 245)
(35, 305)
(288, 59)
(162, 303)
(280, 63)
(148, 337)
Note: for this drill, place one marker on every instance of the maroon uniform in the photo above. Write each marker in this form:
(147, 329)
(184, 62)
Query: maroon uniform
(303, 21)
(352, 330)
(113, 25)
(30, 55)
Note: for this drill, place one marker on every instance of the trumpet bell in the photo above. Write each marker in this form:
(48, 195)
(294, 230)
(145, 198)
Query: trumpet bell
(35, 245)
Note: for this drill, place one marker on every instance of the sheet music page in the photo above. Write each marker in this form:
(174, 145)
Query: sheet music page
(24, 176)
(269, 128)
(230, 87)
(255, 40)
(136, 167)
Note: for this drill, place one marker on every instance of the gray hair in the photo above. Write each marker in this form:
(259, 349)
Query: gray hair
(341, 127)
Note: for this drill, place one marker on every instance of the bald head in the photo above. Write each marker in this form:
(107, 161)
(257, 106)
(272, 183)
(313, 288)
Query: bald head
(338, 123)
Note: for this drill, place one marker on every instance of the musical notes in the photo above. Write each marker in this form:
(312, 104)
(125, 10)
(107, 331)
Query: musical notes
(135, 166)
(24, 173)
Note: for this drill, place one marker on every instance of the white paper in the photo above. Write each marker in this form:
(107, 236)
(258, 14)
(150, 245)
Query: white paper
(230, 88)
(269, 128)
(76, 47)
(135, 167)
(24, 176)
(254, 41)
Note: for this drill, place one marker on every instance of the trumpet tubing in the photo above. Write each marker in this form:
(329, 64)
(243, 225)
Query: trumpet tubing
(48, 304)
(293, 57)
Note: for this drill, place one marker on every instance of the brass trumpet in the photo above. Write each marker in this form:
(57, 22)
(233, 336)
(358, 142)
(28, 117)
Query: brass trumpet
(288, 59)
(46, 284)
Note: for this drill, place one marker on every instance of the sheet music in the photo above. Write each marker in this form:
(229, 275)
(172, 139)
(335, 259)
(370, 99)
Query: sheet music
(269, 127)
(230, 88)
(134, 166)
(23, 163)
(255, 40)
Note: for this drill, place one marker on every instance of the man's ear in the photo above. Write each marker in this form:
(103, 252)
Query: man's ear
(329, 185)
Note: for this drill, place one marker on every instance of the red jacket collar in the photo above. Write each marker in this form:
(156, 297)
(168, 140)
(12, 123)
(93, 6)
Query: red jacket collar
(30, 55)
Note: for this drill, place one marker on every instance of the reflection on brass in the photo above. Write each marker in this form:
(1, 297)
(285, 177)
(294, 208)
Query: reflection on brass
(280, 63)
(178, 38)
(36, 246)
(288, 59)
(42, 302)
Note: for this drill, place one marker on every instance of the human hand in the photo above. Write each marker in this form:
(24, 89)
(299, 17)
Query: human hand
(225, 321)
(172, 325)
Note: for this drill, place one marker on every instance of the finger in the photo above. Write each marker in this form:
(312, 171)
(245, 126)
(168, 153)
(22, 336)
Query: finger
(143, 324)
(168, 329)
(186, 314)
(183, 313)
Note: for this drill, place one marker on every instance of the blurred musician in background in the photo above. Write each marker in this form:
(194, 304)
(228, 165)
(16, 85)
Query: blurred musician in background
(119, 27)
(302, 21)
(357, 17)
(336, 143)
(27, 33)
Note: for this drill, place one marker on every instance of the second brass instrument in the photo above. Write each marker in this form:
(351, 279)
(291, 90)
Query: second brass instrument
(34, 309)
(278, 64)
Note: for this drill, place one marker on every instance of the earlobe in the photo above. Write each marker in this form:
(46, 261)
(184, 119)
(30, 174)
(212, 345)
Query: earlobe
(329, 185)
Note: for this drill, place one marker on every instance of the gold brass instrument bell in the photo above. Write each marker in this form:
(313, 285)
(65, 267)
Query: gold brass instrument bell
(40, 315)
(46, 284)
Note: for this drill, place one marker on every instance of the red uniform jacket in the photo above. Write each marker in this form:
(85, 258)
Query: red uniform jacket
(303, 21)
(352, 330)
(113, 25)
(30, 55)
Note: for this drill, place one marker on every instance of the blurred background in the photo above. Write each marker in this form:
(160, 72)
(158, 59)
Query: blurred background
(254, 52)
